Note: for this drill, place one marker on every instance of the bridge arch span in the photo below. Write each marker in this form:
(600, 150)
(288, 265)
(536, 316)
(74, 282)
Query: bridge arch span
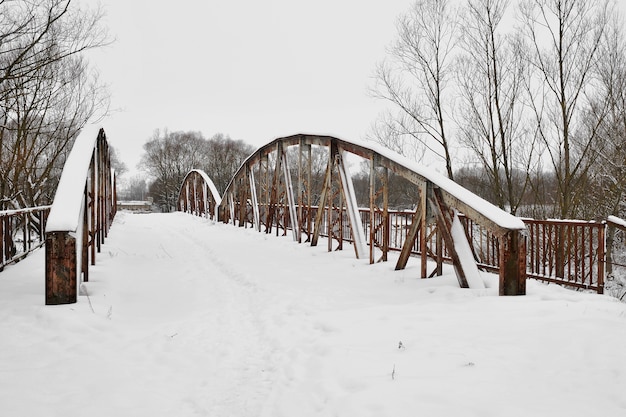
(198, 195)
(277, 189)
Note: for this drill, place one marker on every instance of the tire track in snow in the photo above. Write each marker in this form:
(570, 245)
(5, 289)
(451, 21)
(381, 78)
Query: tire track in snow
(243, 349)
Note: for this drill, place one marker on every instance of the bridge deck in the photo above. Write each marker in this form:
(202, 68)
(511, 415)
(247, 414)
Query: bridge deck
(186, 317)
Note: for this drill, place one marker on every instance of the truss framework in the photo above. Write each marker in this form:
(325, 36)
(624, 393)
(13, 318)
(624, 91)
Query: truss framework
(274, 190)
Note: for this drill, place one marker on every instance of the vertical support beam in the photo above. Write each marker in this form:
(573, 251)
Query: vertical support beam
(513, 263)
(309, 193)
(195, 202)
(187, 198)
(210, 203)
(601, 257)
(255, 202)
(339, 220)
(304, 189)
(439, 243)
(386, 218)
(92, 209)
(329, 212)
(323, 198)
(197, 196)
(25, 237)
(375, 211)
(372, 225)
(7, 238)
(85, 238)
(61, 284)
(231, 207)
(2, 243)
(101, 185)
(265, 189)
(243, 200)
(273, 203)
(352, 208)
(291, 201)
(114, 202)
(425, 192)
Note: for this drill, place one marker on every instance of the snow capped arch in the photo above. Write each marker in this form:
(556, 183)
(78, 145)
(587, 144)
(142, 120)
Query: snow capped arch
(198, 195)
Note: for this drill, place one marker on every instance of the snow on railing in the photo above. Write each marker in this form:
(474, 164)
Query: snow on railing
(198, 195)
(21, 232)
(81, 214)
(618, 222)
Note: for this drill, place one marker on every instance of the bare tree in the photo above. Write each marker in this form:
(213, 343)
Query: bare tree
(415, 81)
(223, 158)
(609, 173)
(47, 92)
(563, 39)
(607, 192)
(136, 188)
(490, 115)
(42, 116)
(34, 34)
(168, 157)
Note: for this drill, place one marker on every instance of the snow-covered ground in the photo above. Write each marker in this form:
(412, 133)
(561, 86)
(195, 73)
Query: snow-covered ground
(185, 317)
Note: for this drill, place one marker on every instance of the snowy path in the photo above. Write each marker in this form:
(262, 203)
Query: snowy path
(188, 318)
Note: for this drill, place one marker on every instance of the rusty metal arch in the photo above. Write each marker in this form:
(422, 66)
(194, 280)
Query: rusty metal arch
(198, 195)
(262, 194)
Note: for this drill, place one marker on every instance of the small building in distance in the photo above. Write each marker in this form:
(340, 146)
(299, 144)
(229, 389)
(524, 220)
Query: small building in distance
(135, 205)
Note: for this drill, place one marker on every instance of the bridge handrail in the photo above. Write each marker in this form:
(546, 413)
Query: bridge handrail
(81, 214)
(69, 196)
(12, 212)
(27, 221)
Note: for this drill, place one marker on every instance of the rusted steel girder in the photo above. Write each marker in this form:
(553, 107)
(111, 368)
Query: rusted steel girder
(379, 216)
(304, 191)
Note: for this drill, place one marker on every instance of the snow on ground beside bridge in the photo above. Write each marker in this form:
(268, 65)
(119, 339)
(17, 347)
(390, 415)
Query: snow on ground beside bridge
(185, 317)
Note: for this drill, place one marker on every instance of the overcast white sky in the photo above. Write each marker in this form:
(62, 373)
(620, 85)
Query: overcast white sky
(254, 70)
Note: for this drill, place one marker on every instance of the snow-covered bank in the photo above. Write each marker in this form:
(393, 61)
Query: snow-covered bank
(185, 317)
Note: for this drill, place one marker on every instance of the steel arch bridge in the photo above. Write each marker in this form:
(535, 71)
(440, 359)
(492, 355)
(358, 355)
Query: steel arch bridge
(275, 190)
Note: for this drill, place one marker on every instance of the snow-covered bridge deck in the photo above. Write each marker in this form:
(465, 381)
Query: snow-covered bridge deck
(174, 321)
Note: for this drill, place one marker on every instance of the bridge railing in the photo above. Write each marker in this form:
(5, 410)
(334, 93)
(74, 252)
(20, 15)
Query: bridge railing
(81, 215)
(21, 232)
(565, 252)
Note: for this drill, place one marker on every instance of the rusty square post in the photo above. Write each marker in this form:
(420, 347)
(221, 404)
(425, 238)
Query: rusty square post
(513, 263)
(61, 285)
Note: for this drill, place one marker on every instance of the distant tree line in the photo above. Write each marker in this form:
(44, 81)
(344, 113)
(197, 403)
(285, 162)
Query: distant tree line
(524, 101)
(169, 156)
(48, 92)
